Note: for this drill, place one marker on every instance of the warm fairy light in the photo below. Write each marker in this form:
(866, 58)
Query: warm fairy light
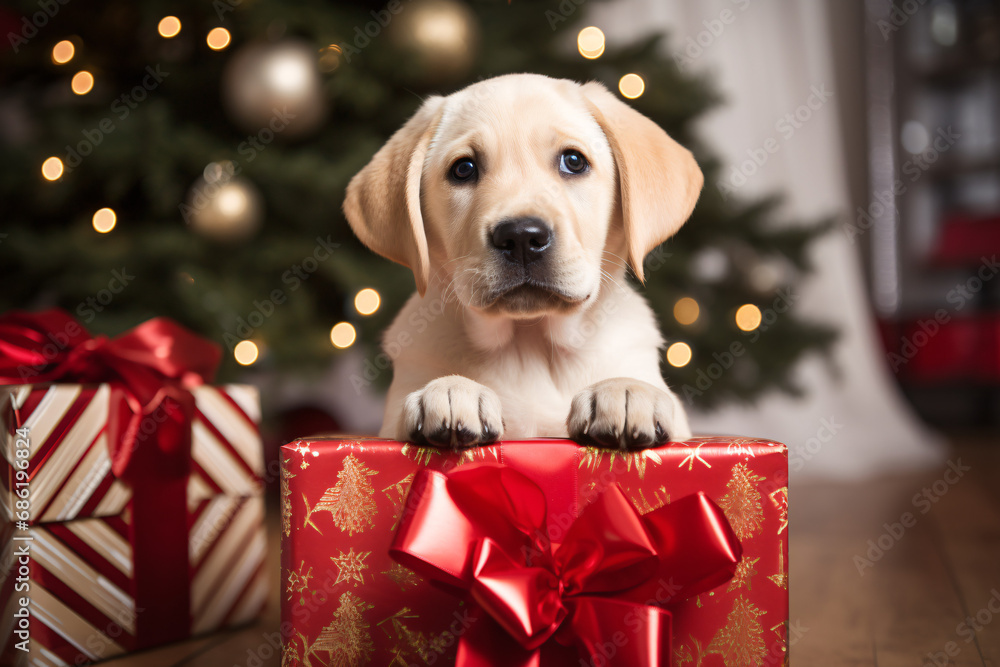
(686, 310)
(748, 317)
(631, 86)
(246, 352)
(590, 42)
(367, 301)
(169, 26)
(83, 82)
(343, 335)
(679, 354)
(218, 39)
(52, 169)
(104, 220)
(329, 58)
(63, 52)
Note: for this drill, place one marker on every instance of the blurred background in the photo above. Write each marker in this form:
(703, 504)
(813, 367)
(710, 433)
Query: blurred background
(836, 287)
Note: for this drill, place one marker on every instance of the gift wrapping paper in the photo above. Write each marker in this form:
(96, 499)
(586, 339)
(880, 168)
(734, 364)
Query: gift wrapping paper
(78, 576)
(347, 603)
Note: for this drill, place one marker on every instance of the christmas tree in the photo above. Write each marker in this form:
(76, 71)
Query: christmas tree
(189, 159)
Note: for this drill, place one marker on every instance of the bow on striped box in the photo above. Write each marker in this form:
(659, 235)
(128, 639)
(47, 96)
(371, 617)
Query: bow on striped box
(131, 491)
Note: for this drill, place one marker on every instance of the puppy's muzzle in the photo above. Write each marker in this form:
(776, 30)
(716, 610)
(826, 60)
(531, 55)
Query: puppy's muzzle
(522, 240)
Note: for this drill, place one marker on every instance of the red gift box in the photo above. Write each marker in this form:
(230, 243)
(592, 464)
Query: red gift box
(130, 491)
(346, 601)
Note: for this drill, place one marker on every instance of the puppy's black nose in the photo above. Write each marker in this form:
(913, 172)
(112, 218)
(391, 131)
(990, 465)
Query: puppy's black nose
(522, 240)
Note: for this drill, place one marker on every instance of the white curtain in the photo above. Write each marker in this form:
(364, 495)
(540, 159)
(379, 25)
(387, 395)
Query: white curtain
(767, 57)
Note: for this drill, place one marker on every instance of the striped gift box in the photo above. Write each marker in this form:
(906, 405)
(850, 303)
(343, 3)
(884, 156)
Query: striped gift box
(80, 570)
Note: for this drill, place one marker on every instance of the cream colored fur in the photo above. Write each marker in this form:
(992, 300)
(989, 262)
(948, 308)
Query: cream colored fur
(476, 365)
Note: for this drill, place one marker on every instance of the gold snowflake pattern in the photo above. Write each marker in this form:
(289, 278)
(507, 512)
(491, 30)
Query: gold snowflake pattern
(396, 493)
(350, 566)
(742, 502)
(347, 640)
(740, 641)
(403, 577)
(350, 501)
(660, 498)
(779, 499)
(298, 582)
(286, 502)
(744, 574)
(593, 458)
(780, 579)
(694, 455)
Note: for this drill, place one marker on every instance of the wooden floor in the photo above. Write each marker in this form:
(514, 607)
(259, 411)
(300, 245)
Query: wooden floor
(908, 605)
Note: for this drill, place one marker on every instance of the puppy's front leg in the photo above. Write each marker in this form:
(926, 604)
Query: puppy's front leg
(624, 413)
(452, 411)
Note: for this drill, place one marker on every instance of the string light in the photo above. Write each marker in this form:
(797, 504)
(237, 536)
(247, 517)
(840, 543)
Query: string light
(343, 335)
(63, 52)
(686, 310)
(246, 352)
(83, 82)
(104, 220)
(590, 42)
(329, 58)
(748, 317)
(52, 169)
(218, 39)
(169, 26)
(367, 301)
(631, 86)
(679, 354)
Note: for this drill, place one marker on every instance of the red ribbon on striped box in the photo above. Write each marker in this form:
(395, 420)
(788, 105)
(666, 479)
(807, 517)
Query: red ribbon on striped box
(143, 454)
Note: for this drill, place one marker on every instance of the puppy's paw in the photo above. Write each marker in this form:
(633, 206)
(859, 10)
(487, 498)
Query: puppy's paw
(454, 412)
(621, 413)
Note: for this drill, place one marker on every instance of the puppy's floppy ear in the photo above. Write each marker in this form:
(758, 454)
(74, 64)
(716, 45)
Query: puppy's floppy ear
(383, 199)
(658, 179)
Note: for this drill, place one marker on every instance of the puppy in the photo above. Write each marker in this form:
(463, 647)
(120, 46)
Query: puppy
(518, 202)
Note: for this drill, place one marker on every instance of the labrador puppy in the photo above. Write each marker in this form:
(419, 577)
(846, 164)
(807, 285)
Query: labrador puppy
(518, 203)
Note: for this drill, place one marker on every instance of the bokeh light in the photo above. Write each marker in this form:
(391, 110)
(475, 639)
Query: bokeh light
(169, 26)
(246, 352)
(631, 86)
(748, 317)
(367, 301)
(218, 39)
(83, 82)
(343, 335)
(679, 354)
(104, 220)
(590, 42)
(686, 310)
(52, 168)
(63, 52)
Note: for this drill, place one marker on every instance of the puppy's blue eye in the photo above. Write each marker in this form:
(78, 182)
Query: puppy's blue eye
(573, 162)
(463, 169)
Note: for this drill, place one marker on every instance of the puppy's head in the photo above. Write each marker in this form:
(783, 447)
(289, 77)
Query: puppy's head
(522, 193)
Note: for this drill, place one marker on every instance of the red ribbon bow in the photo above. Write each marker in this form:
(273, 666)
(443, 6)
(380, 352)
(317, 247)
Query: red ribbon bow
(151, 370)
(481, 532)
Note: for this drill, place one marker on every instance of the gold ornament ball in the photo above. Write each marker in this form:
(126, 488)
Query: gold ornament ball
(442, 35)
(273, 89)
(224, 208)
